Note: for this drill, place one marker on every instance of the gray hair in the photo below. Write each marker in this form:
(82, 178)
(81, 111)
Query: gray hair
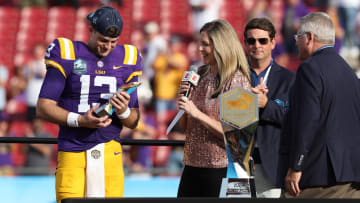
(321, 25)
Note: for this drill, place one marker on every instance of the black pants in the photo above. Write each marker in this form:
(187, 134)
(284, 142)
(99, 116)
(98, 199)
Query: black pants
(201, 182)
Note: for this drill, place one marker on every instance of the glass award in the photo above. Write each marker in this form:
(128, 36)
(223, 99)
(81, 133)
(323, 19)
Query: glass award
(239, 118)
(107, 109)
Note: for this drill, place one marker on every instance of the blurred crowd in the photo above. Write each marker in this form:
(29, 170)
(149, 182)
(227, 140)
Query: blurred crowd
(165, 58)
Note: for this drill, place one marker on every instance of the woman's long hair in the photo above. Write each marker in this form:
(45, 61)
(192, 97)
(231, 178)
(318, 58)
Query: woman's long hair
(228, 52)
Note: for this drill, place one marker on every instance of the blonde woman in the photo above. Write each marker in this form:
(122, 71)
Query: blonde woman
(225, 67)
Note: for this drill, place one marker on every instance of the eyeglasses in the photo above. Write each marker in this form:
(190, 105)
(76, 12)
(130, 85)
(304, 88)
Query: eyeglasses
(297, 36)
(252, 41)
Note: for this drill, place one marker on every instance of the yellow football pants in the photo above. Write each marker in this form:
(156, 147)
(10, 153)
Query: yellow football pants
(71, 170)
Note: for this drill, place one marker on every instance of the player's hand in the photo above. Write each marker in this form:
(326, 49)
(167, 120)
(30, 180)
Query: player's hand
(88, 120)
(120, 101)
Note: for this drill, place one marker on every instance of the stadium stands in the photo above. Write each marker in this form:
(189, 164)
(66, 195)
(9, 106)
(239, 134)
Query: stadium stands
(61, 22)
(32, 29)
(9, 26)
(20, 29)
(25, 27)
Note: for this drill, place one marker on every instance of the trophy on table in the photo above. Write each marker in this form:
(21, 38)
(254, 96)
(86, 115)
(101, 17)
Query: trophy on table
(108, 109)
(239, 116)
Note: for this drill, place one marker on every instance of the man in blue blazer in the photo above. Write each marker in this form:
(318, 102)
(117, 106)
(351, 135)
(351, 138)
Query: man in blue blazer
(271, 83)
(320, 145)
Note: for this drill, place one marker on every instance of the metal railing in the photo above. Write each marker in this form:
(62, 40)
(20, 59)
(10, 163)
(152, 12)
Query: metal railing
(39, 140)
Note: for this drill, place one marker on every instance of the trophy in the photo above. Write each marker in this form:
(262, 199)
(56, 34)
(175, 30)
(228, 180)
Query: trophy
(108, 109)
(239, 116)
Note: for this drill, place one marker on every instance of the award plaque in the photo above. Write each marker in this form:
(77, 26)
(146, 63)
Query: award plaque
(107, 109)
(239, 116)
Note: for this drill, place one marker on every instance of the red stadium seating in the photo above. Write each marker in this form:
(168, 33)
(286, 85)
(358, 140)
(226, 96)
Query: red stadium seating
(234, 13)
(81, 24)
(60, 23)
(9, 26)
(11, 13)
(20, 29)
(32, 29)
(126, 11)
(175, 17)
(146, 11)
(30, 25)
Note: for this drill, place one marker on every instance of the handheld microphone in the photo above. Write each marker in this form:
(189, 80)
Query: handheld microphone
(192, 77)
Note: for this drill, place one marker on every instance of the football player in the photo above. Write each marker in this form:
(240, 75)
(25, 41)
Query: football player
(81, 77)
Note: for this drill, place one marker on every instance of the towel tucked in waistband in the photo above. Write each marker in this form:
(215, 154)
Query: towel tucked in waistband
(95, 172)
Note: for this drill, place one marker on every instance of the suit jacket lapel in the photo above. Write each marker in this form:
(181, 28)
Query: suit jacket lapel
(272, 80)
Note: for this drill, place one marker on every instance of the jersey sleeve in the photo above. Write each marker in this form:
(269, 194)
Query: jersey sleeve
(53, 85)
(60, 53)
(133, 57)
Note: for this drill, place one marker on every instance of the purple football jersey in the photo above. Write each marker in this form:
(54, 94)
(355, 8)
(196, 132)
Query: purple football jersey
(87, 81)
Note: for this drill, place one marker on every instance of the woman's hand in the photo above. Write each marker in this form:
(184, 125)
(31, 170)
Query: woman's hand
(184, 87)
(188, 106)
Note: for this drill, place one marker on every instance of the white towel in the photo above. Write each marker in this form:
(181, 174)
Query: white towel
(95, 172)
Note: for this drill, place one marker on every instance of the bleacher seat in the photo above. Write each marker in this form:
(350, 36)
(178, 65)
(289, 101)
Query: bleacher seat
(175, 17)
(81, 24)
(9, 26)
(146, 11)
(11, 13)
(60, 23)
(32, 29)
(233, 11)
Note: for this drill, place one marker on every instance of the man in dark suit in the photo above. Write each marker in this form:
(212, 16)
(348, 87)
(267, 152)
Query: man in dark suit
(320, 143)
(271, 83)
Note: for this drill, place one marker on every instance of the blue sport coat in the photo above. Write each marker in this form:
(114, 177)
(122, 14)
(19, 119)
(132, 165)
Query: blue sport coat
(321, 137)
(271, 118)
